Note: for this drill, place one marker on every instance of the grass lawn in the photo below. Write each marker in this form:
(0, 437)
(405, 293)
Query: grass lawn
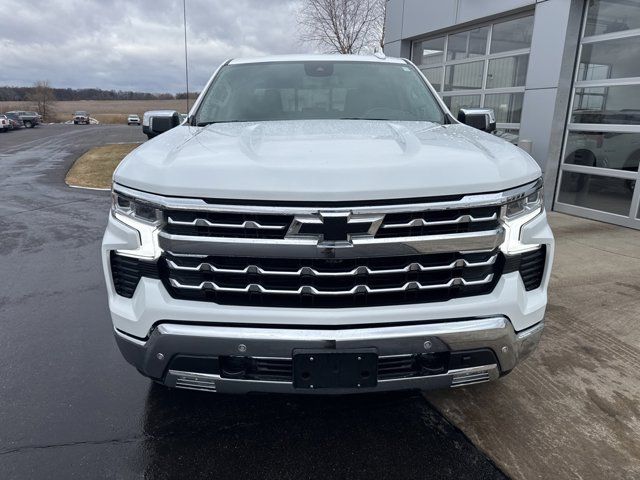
(95, 168)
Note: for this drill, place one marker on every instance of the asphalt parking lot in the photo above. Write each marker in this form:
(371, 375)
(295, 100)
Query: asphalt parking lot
(70, 407)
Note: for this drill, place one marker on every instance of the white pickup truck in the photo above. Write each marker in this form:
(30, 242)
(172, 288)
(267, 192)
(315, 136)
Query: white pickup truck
(322, 224)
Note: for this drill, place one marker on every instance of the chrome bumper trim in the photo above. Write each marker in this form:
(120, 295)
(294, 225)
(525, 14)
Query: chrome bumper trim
(215, 383)
(170, 339)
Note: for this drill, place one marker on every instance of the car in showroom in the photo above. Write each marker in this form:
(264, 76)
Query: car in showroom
(323, 224)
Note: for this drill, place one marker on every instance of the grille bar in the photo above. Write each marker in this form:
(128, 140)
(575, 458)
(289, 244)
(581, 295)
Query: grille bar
(361, 270)
(306, 289)
(422, 222)
(203, 222)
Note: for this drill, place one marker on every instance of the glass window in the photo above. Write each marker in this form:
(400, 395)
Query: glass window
(593, 71)
(607, 16)
(618, 105)
(507, 71)
(597, 192)
(429, 52)
(318, 90)
(620, 151)
(509, 134)
(434, 75)
(464, 76)
(456, 102)
(472, 43)
(611, 59)
(507, 106)
(512, 35)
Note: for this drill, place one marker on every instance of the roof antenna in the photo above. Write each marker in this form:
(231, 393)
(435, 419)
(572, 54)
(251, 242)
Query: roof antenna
(379, 54)
(186, 61)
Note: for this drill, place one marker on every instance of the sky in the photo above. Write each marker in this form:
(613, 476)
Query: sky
(137, 44)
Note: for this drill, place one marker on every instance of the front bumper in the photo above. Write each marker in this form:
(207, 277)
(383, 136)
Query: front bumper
(152, 328)
(154, 356)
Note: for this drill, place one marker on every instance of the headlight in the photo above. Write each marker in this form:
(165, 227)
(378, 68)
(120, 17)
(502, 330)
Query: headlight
(142, 216)
(516, 213)
(524, 205)
(136, 209)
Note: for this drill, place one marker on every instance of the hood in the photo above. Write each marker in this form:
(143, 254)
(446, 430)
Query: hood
(325, 160)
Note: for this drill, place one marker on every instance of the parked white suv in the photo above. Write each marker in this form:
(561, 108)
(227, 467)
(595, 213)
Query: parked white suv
(322, 224)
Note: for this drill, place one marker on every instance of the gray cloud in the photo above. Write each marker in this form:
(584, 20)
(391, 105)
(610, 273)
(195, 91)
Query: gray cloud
(137, 44)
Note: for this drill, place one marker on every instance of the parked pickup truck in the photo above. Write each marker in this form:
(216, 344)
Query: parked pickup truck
(29, 119)
(81, 117)
(322, 224)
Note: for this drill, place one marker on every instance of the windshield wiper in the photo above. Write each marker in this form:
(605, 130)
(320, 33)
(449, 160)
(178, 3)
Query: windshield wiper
(204, 124)
(361, 118)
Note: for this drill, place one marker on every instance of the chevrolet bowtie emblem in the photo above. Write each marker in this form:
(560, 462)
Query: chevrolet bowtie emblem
(334, 229)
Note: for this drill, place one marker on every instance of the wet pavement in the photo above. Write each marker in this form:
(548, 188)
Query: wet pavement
(71, 407)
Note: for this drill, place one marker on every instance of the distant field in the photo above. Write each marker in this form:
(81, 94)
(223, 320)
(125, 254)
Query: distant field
(105, 111)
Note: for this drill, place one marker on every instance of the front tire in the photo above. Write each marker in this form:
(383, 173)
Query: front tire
(28, 124)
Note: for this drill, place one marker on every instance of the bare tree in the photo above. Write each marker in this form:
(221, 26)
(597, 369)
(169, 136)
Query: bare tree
(42, 95)
(343, 26)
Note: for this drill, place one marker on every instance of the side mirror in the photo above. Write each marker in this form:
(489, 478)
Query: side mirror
(160, 123)
(481, 118)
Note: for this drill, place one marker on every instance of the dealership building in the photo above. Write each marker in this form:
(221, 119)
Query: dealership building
(561, 74)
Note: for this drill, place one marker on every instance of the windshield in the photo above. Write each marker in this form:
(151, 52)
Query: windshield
(318, 90)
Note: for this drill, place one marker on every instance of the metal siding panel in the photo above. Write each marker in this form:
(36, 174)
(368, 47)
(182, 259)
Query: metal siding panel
(547, 45)
(424, 16)
(469, 10)
(537, 120)
(393, 21)
(393, 49)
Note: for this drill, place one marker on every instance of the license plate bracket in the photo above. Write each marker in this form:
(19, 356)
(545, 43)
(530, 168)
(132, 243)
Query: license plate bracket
(314, 369)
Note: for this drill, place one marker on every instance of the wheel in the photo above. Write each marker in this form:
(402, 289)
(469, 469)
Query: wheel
(28, 124)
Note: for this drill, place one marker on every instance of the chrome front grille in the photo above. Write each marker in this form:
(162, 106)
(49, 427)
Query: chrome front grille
(300, 282)
(223, 224)
(332, 255)
(280, 226)
(459, 220)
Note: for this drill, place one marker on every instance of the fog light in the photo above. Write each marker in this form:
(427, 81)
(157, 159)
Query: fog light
(233, 367)
(433, 363)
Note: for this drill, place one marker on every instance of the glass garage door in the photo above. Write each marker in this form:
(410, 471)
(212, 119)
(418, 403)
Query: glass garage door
(599, 173)
(482, 66)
